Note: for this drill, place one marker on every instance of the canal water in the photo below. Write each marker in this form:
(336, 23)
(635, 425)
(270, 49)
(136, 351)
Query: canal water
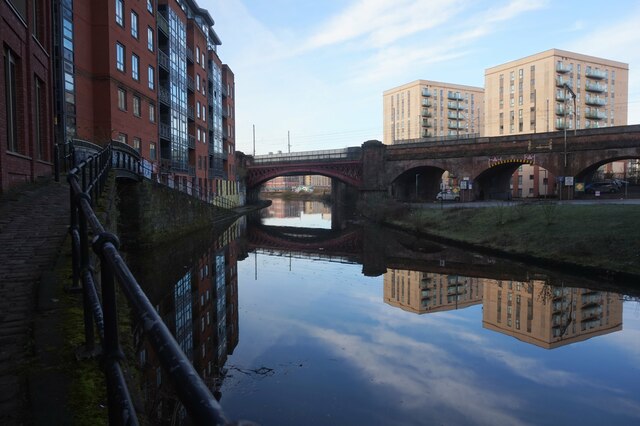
(292, 320)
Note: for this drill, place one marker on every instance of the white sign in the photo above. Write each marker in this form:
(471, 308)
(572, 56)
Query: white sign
(463, 184)
(568, 181)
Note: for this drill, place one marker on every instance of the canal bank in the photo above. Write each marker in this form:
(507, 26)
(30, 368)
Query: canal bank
(601, 239)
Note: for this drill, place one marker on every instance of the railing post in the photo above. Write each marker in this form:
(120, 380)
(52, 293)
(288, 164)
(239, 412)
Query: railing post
(73, 231)
(112, 353)
(85, 269)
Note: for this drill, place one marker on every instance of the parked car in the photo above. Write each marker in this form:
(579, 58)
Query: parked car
(592, 187)
(448, 196)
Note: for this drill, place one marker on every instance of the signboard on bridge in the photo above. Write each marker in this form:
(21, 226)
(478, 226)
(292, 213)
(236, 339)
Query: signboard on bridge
(568, 181)
(525, 159)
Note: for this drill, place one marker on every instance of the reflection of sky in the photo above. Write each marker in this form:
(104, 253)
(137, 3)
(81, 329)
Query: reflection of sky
(341, 356)
(312, 220)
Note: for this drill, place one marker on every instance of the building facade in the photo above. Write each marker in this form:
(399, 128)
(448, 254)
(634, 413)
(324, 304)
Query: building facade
(424, 109)
(26, 87)
(530, 95)
(142, 75)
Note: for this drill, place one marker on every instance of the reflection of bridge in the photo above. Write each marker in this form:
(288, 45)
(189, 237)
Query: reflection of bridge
(381, 249)
(488, 162)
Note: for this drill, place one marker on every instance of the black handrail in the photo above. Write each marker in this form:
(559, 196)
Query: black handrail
(87, 180)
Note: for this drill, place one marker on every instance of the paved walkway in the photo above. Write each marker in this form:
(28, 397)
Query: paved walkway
(33, 225)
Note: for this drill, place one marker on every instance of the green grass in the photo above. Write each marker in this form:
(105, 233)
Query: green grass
(603, 236)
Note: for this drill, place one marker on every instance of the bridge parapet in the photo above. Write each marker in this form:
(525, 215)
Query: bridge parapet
(352, 153)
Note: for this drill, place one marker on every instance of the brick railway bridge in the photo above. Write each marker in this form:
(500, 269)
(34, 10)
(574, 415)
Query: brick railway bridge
(487, 163)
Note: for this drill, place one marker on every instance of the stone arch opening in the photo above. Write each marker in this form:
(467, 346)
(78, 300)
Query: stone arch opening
(422, 183)
(505, 180)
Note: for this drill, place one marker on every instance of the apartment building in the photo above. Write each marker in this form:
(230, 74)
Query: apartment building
(147, 74)
(549, 91)
(26, 84)
(424, 109)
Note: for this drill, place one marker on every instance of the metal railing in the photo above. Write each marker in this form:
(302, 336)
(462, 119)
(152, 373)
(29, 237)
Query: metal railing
(352, 153)
(86, 182)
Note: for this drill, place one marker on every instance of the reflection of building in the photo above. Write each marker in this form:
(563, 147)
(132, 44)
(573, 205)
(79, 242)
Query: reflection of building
(424, 108)
(318, 182)
(422, 292)
(533, 312)
(202, 313)
(549, 316)
(282, 183)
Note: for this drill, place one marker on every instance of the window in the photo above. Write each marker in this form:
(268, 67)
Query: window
(203, 116)
(122, 138)
(11, 99)
(150, 38)
(122, 99)
(152, 113)
(151, 77)
(120, 66)
(135, 67)
(197, 54)
(150, 6)
(198, 82)
(136, 144)
(120, 12)
(198, 109)
(152, 151)
(134, 24)
(136, 106)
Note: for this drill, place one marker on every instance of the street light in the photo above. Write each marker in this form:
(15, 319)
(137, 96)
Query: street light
(573, 95)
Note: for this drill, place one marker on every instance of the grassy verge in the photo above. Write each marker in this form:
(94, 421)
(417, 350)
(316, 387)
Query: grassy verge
(600, 236)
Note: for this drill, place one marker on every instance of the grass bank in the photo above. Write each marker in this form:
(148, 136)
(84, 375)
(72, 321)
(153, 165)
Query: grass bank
(598, 236)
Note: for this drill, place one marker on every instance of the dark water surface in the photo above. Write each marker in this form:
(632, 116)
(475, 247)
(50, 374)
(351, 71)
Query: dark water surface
(287, 330)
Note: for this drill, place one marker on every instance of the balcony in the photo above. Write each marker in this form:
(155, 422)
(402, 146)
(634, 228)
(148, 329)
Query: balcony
(192, 171)
(455, 96)
(189, 54)
(594, 114)
(560, 110)
(190, 113)
(190, 84)
(426, 93)
(164, 96)
(426, 123)
(595, 74)
(225, 93)
(163, 60)
(426, 133)
(561, 81)
(192, 142)
(210, 99)
(165, 131)
(560, 96)
(455, 115)
(163, 25)
(455, 105)
(595, 87)
(225, 114)
(426, 112)
(426, 102)
(454, 125)
(562, 68)
(560, 124)
(591, 125)
(595, 100)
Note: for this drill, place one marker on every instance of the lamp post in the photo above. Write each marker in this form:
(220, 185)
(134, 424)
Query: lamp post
(417, 174)
(573, 95)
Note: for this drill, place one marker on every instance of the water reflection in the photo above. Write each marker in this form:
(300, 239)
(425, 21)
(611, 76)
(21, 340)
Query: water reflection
(201, 310)
(532, 311)
(319, 347)
(309, 214)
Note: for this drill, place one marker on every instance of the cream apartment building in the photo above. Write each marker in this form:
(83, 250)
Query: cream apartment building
(424, 109)
(528, 95)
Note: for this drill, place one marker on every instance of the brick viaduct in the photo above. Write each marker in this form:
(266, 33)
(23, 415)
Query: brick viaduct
(487, 162)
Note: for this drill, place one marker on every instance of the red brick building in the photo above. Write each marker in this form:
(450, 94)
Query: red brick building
(26, 85)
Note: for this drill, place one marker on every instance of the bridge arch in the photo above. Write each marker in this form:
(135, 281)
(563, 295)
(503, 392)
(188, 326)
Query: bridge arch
(501, 181)
(350, 174)
(418, 183)
(586, 173)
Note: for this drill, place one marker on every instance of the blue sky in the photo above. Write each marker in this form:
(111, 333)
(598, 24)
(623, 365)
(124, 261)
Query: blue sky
(318, 69)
